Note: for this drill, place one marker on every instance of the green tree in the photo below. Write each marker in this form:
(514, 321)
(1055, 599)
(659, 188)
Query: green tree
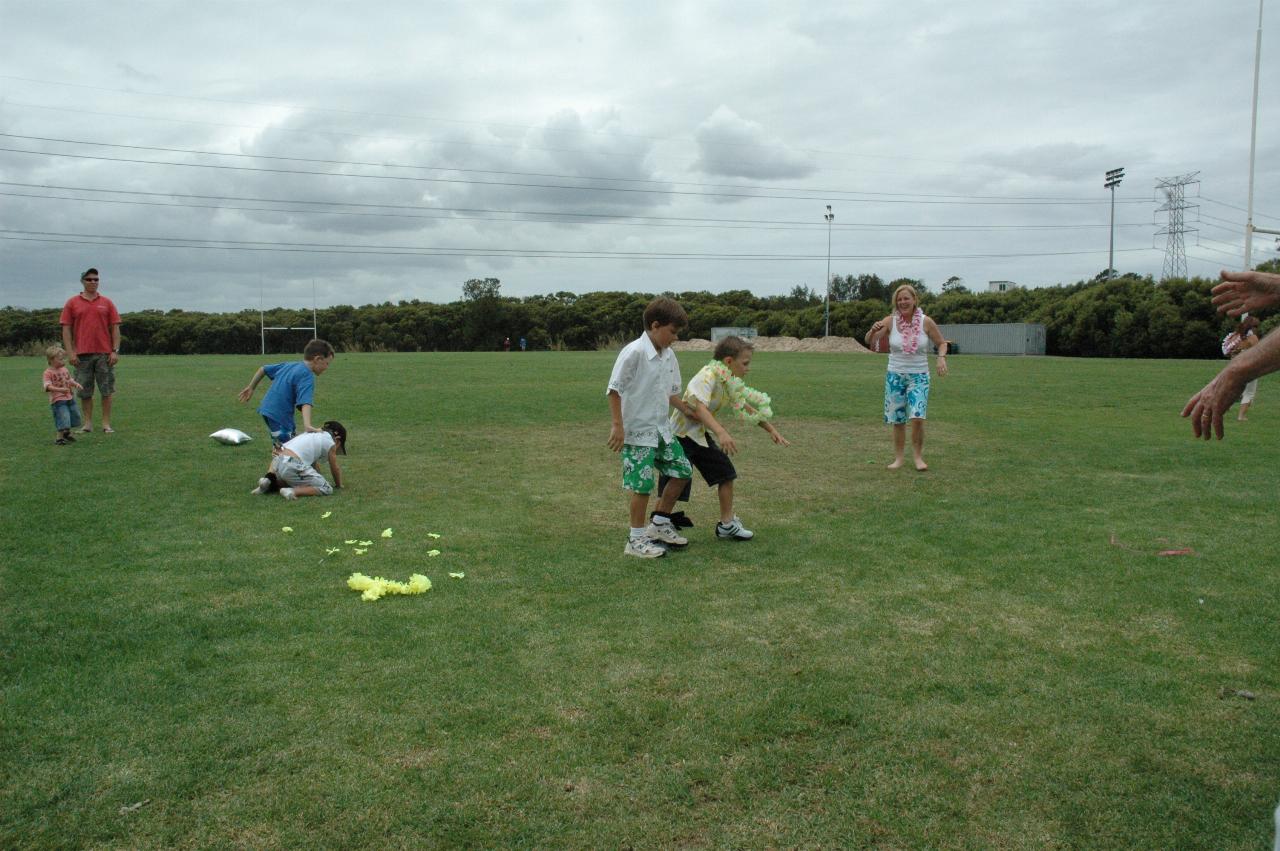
(481, 288)
(873, 288)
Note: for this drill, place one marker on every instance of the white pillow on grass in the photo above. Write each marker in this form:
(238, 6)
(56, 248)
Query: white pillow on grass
(231, 436)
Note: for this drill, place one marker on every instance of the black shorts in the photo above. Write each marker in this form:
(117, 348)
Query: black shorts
(710, 461)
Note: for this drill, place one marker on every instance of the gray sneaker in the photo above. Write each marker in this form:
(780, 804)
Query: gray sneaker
(665, 533)
(263, 485)
(733, 531)
(288, 493)
(643, 548)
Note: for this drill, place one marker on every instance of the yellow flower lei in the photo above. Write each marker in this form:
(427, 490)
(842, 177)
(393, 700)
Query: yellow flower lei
(375, 587)
(749, 405)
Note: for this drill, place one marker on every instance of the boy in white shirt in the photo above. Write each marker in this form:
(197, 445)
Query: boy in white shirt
(294, 469)
(645, 383)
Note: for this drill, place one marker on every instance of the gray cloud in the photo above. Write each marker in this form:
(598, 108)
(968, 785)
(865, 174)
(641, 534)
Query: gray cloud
(731, 146)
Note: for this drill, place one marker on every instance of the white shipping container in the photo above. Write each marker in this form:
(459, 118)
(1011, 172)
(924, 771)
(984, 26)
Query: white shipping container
(719, 333)
(1010, 338)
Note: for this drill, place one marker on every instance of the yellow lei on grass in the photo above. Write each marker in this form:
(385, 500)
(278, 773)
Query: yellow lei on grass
(375, 586)
(749, 405)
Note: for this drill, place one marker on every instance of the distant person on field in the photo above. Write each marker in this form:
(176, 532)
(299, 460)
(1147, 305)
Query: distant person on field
(1239, 293)
(295, 468)
(644, 384)
(293, 385)
(506, 344)
(91, 336)
(524, 344)
(1236, 343)
(906, 383)
(58, 384)
(718, 389)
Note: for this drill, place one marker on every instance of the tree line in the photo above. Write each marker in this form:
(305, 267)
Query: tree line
(1124, 316)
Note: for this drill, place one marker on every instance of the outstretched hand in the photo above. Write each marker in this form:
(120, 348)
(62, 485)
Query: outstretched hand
(1207, 408)
(1245, 292)
(245, 394)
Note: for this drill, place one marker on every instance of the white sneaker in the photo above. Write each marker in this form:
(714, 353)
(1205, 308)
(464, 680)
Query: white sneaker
(643, 548)
(665, 533)
(734, 531)
(263, 484)
(288, 493)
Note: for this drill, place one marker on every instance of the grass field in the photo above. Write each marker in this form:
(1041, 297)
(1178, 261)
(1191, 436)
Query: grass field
(988, 655)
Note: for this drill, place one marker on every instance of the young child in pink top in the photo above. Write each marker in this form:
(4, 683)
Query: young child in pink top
(58, 383)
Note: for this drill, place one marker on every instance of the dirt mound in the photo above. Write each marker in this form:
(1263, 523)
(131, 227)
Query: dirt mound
(783, 344)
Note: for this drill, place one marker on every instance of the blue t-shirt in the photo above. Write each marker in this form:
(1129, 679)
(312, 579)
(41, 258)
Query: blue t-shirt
(292, 386)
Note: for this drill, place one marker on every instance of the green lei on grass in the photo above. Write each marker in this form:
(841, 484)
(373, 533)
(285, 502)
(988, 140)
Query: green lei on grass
(748, 404)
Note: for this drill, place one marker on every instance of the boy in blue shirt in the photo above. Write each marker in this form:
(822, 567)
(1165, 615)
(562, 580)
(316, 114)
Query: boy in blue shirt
(292, 387)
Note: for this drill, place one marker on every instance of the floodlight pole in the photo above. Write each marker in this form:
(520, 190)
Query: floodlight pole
(830, 217)
(1113, 178)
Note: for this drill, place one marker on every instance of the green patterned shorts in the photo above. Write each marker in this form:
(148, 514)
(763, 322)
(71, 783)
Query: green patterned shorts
(638, 463)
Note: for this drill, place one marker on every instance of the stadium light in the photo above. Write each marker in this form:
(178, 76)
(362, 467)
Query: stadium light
(1112, 180)
(830, 217)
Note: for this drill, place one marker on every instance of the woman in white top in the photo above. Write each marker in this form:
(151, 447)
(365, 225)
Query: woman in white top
(906, 383)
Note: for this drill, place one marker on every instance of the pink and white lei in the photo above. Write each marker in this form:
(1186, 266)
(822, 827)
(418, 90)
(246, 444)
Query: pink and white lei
(910, 331)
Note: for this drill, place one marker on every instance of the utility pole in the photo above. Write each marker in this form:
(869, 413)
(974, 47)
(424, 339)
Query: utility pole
(1112, 180)
(830, 217)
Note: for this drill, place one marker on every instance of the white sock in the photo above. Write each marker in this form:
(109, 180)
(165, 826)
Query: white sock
(637, 533)
(660, 520)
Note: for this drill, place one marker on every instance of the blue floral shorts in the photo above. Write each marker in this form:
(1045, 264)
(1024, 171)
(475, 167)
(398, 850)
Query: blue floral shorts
(906, 396)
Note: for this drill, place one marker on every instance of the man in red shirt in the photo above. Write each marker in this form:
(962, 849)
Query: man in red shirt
(91, 336)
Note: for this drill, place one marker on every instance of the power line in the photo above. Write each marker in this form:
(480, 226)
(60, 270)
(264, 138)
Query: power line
(664, 191)
(604, 219)
(463, 251)
(1205, 217)
(1235, 207)
(1205, 260)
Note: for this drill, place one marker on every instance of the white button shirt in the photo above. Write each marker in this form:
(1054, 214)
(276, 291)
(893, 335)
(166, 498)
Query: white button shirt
(646, 379)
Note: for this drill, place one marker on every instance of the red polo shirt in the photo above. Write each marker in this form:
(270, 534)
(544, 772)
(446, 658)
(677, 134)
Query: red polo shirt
(90, 323)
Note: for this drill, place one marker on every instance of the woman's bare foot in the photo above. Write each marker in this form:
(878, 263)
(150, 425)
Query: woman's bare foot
(921, 466)
(896, 464)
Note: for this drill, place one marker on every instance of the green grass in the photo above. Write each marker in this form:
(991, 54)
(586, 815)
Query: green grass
(960, 659)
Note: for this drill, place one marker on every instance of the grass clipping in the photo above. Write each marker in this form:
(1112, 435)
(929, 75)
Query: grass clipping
(375, 586)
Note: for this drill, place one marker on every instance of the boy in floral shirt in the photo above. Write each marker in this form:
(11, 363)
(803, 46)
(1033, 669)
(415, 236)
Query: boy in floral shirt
(718, 388)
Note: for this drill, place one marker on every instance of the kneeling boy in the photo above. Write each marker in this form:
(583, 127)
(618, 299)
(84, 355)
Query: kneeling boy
(294, 470)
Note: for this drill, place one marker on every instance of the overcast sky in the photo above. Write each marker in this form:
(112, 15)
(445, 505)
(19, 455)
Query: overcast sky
(220, 156)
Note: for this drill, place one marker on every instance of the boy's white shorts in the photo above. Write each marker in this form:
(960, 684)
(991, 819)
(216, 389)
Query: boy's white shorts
(295, 474)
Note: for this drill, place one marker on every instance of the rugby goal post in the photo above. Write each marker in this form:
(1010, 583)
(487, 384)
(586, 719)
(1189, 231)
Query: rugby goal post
(263, 327)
